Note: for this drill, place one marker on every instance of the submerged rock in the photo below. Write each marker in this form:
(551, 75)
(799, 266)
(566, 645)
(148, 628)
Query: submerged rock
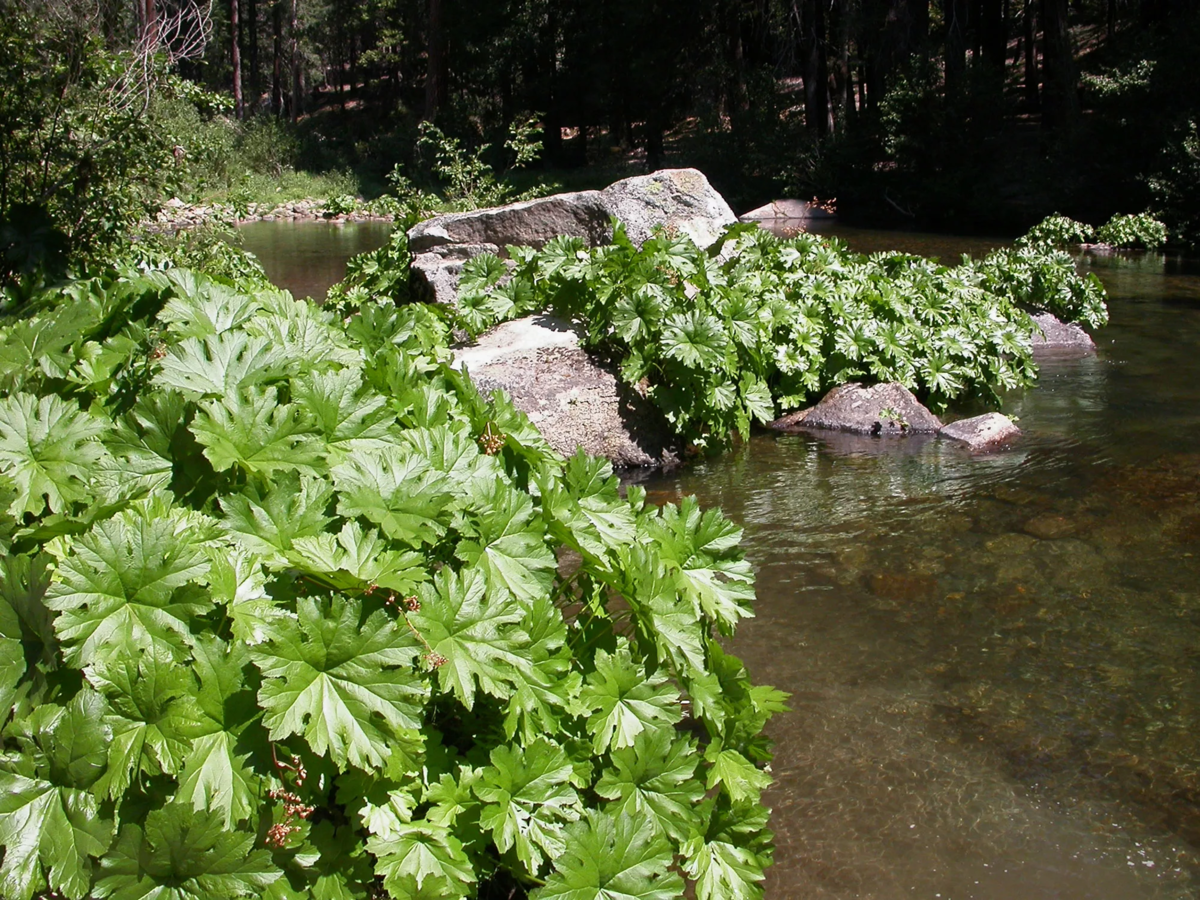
(987, 432)
(1049, 527)
(1054, 336)
(888, 409)
(573, 400)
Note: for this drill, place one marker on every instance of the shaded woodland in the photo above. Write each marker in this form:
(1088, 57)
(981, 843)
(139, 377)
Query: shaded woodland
(949, 114)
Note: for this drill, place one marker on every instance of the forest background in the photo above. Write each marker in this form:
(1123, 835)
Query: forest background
(972, 115)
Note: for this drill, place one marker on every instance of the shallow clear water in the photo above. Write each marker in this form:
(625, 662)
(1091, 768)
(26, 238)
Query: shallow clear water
(306, 256)
(992, 660)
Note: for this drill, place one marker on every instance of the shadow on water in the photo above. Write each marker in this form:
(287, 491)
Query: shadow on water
(993, 660)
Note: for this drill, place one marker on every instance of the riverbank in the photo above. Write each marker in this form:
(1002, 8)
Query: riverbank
(176, 214)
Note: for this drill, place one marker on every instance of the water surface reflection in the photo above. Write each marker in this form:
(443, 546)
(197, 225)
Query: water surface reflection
(306, 256)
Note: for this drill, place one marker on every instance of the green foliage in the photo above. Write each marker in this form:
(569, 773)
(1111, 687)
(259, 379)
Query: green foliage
(376, 275)
(212, 249)
(219, 159)
(727, 337)
(288, 609)
(462, 178)
(1041, 279)
(1057, 231)
(77, 149)
(341, 205)
(1121, 81)
(1140, 230)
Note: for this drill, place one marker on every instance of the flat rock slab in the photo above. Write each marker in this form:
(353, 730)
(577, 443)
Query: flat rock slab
(879, 409)
(532, 223)
(1052, 336)
(990, 431)
(572, 399)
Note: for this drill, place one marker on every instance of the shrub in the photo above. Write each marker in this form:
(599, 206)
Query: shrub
(1141, 230)
(288, 609)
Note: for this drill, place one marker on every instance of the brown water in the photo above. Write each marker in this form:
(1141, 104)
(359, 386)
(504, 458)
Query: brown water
(992, 660)
(306, 256)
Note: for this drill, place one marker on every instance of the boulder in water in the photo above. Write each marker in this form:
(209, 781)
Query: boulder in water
(888, 409)
(1053, 336)
(532, 223)
(679, 200)
(788, 209)
(676, 199)
(987, 432)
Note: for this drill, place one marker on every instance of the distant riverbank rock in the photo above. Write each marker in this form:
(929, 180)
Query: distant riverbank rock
(680, 200)
(980, 433)
(880, 409)
(1052, 336)
(788, 209)
(573, 399)
(177, 214)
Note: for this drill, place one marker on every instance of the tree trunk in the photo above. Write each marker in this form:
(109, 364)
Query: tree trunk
(956, 43)
(297, 62)
(993, 35)
(845, 73)
(252, 22)
(435, 73)
(277, 62)
(816, 67)
(150, 21)
(1060, 101)
(235, 56)
(654, 142)
(1031, 67)
(735, 87)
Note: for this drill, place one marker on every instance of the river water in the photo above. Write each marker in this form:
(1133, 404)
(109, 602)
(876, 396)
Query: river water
(992, 659)
(305, 256)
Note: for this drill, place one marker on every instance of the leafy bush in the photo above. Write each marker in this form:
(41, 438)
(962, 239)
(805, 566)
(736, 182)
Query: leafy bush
(77, 149)
(1057, 231)
(211, 249)
(462, 179)
(376, 275)
(730, 336)
(341, 205)
(1122, 231)
(1040, 279)
(1141, 230)
(288, 609)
